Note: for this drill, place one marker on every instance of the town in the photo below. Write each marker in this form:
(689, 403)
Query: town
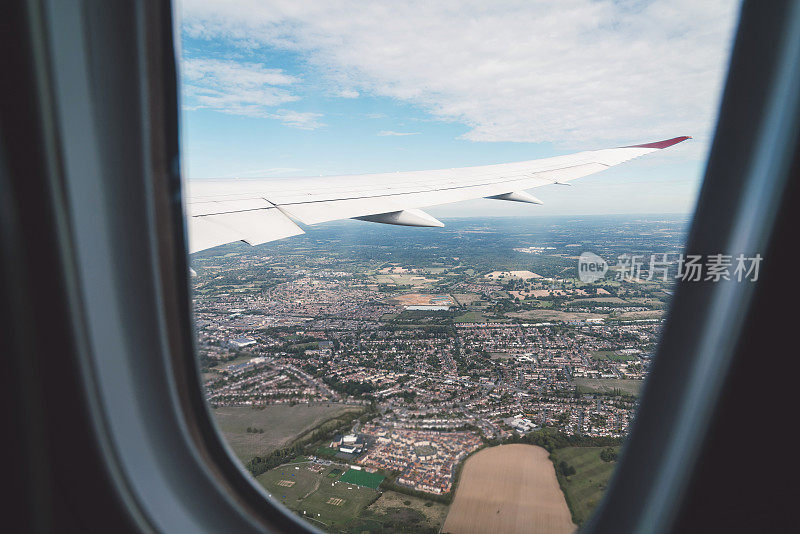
(445, 343)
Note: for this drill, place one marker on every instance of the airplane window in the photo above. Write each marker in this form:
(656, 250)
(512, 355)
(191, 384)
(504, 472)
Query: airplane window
(409, 317)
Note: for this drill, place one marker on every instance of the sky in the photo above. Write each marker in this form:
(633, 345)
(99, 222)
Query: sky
(307, 88)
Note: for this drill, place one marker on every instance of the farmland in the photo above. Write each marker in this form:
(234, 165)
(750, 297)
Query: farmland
(510, 488)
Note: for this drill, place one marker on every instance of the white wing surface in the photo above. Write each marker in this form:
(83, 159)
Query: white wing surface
(261, 210)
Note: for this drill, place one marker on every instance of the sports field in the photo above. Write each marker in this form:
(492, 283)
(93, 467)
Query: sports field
(362, 478)
(509, 489)
(585, 488)
(278, 483)
(281, 423)
(325, 499)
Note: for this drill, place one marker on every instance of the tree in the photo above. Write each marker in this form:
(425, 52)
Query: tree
(566, 469)
(608, 454)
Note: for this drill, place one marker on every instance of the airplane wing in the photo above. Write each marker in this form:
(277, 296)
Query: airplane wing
(259, 210)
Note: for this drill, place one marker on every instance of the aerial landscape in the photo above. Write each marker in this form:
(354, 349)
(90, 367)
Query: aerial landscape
(374, 378)
(480, 368)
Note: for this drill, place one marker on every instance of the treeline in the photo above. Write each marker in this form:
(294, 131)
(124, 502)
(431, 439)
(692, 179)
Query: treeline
(351, 388)
(551, 439)
(390, 483)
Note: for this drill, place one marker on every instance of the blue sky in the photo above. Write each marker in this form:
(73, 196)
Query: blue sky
(318, 88)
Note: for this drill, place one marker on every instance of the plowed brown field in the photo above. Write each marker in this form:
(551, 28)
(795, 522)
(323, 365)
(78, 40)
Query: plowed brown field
(509, 489)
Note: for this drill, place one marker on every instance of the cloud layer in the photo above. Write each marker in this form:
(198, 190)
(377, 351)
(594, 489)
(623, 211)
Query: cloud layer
(572, 72)
(390, 133)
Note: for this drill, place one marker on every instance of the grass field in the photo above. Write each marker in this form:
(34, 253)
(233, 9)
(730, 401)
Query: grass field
(604, 300)
(585, 488)
(554, 315)
(509, 489)
(281, 424)
(465, 299)
(362, 478)
(470, 317)
(323, 498)
(394, 516)
(612, 355)
(326, 452)
(649, 314)
(353, 500)
(236, 361)
(404, 279)
(608, 385)
(305, 481)
(395, 509)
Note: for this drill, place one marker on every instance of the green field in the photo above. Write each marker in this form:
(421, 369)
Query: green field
(325, 500)
(612, 355)
(242, 358)
(470, 317)
(362, 478)
(281, 423)
(355, 499)
(305, 481)
(585, 488)
(326, 452)
(396, 512)
(609, 385)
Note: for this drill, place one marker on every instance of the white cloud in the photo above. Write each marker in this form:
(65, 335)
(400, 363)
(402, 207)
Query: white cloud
(385, 133)
(304, 120)
(234, 87)
(242, 88)
(573, 72)
(347, 93)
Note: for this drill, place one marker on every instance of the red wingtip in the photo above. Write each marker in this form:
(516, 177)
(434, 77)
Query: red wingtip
(662, 144)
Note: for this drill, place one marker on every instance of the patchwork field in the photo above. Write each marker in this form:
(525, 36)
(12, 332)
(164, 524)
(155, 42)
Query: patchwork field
(509, 489)
(404, 279)
(585, 488)
(425, 299)
(281, 424)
